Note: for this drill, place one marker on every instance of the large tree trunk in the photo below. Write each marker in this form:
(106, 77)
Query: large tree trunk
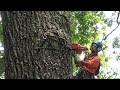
(36, 45)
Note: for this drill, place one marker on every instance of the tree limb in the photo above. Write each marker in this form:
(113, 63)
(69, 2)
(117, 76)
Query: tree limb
(110, 32)
(118, 22)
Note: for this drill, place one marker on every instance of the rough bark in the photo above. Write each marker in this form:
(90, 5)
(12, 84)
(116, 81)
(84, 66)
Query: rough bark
(36, 45)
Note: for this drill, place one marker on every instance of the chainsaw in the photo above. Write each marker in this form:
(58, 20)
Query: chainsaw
(77, 49)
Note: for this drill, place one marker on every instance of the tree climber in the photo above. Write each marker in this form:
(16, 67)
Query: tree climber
(90, 64)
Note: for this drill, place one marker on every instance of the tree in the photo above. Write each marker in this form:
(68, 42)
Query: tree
(84, 28)
(36, 45)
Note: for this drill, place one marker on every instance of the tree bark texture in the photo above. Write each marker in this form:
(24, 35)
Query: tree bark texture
(36, 45)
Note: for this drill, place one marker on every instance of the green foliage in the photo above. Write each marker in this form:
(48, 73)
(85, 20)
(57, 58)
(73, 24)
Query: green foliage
(118, 57)
(84, 26)
(116, 45)
(116, 42)
(108, 74)
(73, 65)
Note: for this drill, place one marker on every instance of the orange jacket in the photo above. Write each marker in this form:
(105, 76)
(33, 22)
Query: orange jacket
(92, 63)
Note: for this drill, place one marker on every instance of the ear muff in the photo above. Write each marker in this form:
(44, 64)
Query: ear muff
(99, 49)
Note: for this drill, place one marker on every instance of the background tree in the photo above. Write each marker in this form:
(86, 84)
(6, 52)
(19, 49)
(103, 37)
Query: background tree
(36, 45)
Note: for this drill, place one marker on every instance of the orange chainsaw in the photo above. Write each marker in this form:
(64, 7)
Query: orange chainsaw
(77, 48)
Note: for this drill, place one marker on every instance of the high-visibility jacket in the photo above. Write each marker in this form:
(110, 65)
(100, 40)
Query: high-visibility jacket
(92, 63)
